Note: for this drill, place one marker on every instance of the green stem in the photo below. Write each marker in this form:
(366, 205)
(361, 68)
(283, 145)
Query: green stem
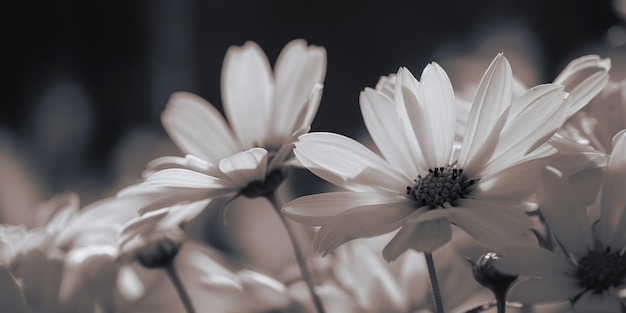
(306, 275)
(180, 288)
(434, 283)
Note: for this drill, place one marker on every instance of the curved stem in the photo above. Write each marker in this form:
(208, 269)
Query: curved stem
(178, 285)
(306, 275)
(434, 283)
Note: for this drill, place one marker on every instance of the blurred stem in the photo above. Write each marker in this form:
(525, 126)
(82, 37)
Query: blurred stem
(433, 282)
(306, 275)
(500, 301)
(178, 285)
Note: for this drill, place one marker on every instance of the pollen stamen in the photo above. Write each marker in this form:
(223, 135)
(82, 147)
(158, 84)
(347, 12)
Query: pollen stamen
(601, 269)
(439, 186)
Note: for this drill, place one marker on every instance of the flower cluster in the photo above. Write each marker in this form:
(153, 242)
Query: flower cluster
(525, 183)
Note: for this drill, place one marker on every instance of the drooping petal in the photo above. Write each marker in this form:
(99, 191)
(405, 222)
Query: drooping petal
(492, 225)
(548, 289)
(538, 112)
(347, 163)
(246, 166)
(183, 178)
(563, 215)
(423, 237)
(533, 261)
(360, 222)
(613, 198)
(247, 93)
(386, 128)
(299, 68)
(198, 128)
(492, 99)
(584, 78)
(316, 209)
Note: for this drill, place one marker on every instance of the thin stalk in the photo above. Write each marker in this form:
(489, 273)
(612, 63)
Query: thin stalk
(306, 275)
(500, 301)
(178, 285)
(434, 283)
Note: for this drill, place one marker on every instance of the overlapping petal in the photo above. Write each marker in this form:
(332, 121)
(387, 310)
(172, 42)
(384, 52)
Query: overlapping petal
(247, 93)
(613, 198)
(198, 128)
(425, 236)
(347, 163)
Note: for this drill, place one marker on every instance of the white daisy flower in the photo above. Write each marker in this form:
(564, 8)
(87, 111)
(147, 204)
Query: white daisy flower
(590, 269)
(422, 184)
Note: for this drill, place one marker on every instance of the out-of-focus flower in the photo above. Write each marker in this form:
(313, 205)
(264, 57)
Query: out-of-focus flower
(250, 157)
(590, 269)
(423, 184)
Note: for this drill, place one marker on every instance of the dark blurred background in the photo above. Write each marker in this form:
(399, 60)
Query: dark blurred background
(84, 82)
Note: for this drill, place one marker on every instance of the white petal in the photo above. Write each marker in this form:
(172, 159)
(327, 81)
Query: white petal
(613, 198)
(198, 128)
(554, 288)
(514, 183)
(563, 215)
(308, 114)
(532, 119)
(533, 261)
(347, 163)
(584, 78)
(492, 99)
(386, 85)
(492, 225)
(396, 143)
(246, 166)
(183, 178)
(431, 108)
(299, 68)
(247, 92)
(361, 222)
(318, 208)
(422, 237)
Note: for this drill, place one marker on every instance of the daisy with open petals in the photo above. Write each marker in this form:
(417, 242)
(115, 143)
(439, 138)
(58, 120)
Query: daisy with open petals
(266, 112)
(590, 269)
(423, 184)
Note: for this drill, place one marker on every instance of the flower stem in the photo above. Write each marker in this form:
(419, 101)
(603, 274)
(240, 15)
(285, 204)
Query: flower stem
(433, 282)
(178, 285)
(500, 301)
(306, 275)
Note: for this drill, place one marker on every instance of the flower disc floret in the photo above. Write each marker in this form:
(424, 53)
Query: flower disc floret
(599, 270)
(439, 186)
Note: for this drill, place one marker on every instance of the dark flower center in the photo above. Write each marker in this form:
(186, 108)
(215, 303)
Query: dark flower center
(599, 270)
(439, 186)
(265, 187)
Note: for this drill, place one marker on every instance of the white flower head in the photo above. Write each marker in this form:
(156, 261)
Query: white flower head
(423, 184)
(249, 154)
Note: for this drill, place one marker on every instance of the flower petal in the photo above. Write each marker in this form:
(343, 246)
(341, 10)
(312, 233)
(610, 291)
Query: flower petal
(183, 178)
(347, 163)
(492, 99)
(245, 167)
(360, 222)
(431, 109)
(598, 303)
(316, 209)
(493, 225)
(386, 128)
(299, 68)
(533, 261)
(247, 93)
(584, 78)
(563, 215)
(553, 288)
(198, 128)
(613, 198)
(539, 113)
(422, 237)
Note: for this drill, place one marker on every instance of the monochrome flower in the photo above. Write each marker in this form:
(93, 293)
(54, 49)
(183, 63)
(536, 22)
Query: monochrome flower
(590, 268)
(423, 183)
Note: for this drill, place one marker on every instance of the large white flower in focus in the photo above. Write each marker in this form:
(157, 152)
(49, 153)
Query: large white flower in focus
(423, 183)
(266, 111)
